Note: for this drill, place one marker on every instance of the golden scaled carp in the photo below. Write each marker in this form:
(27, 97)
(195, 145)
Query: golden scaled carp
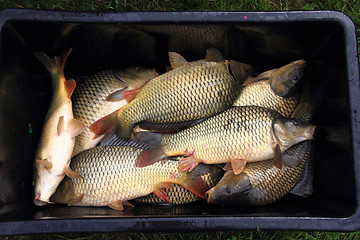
(191, 91)
(260, 91)
(261, 183)
(110, 178)
(234, 136)
(211, 175)
(57, 139)
(102, 94)
(284, 81)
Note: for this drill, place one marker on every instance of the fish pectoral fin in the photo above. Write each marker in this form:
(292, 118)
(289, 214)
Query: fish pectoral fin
(75, 200)
(176, 60)
(117, 95)
(75, 127)
(70, 87)
(277, 158)
(160, 191)
(238, 165)
(227, 166)
(214, 55)
(188, 164)
(116, 205)
(70, 173)
(45, 163)
(61, 126)
(129, 95)
(195, 183)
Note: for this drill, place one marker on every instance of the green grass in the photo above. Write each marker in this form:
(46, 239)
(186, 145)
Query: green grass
(349, 7)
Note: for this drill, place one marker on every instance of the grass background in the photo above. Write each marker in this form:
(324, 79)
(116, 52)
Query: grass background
(349, 7)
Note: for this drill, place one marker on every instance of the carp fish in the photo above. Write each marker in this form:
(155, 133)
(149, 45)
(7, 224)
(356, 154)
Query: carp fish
(102, 94)
(261, 183)
(234, 136)
(110, 178)
(260, 91)
(57, 139)
(191, 91)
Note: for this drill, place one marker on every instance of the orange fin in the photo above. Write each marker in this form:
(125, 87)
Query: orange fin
(176, 60)
(188, 164)
(214, 55)
(161, 193)
(105, 125)
(125, 203)
(75, 200)
(70, 173)
(116, 205)
(277, 158)
(75, 127)
(116, 96)
(238, 165)
(150, 156)
(227, 166)
(129, 95)
(70, 86)
(195, 183)
(61, 126)
(45, 163)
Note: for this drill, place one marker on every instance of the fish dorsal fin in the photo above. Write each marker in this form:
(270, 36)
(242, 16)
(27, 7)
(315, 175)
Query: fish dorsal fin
(176, 60)
(116, 205)
(75, 127)
(70, 173)
(214, 55)
(45, 163)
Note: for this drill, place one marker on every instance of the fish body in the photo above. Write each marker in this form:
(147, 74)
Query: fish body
(57, 139)
(90, 99)
(211, 174)
(191, 91)
(260, 94)
(110, 178)
(236, 135)
(261, 183)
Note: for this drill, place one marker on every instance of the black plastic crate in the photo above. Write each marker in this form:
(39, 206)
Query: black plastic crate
(326, 39)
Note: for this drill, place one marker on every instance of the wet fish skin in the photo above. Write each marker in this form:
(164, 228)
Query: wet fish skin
(177, 195)
(90, 99)
(110, 178)
(239, 134)
(191, 91)
(57, 138)
(260, 94)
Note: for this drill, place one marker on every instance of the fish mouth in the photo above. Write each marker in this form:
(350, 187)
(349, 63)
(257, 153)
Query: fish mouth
(310, 131)
(300, 62)
(39, 202)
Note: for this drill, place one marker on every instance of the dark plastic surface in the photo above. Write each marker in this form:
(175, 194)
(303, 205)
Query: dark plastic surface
(325, 39)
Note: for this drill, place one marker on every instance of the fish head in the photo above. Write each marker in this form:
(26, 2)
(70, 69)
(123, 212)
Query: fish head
(136, 76)
(230, 189)
(285, 80)
(45, 185)
(289, 131)
(240, 71)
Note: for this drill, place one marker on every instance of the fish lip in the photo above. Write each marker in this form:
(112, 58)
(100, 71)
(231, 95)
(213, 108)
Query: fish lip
(311, 131)
(39, 202)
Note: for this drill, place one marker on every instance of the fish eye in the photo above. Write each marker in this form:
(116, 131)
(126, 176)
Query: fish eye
(295, 77)
(137, 68)
(228, 190)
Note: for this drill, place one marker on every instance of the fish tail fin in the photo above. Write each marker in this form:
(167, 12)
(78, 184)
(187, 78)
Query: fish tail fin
(195, 183)
(310, 99)
(55, 65)
(150, 156)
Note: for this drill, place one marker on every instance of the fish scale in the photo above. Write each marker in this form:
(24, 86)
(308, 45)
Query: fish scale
(109, 174)
(89, 102)
(228, 135)
(186, 93)
(261, 94)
